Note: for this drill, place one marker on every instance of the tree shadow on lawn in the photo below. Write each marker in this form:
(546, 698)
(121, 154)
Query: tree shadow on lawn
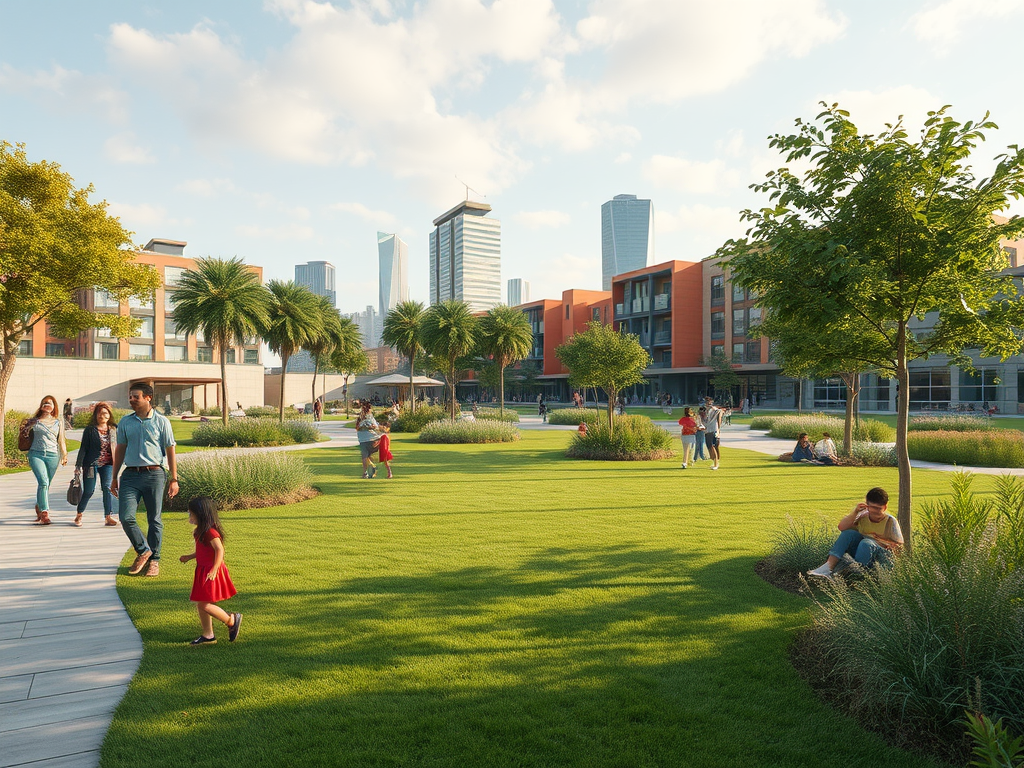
(593, 656)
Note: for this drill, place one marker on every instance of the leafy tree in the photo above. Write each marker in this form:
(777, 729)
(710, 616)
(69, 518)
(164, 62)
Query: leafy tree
(488, 374)
(225, 300)
(349, 358)
(294, 322)
(321, 347)
(526, 377)
(505, 335)
(883, 231)
(54, 243)
(403, 331)
(603, 357)
(723, 376)
(450, 333)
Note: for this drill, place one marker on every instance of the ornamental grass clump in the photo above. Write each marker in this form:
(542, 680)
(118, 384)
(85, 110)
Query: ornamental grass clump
(244, 480)
(799, 547)
(300, 431)
(874, 455)
(466, 431)
(494, 414)
(575, 416)
(635, 438)
(409, 421)
(814, 424)
(241, 433)
(996, 448)
(951, 423)
(942, 631)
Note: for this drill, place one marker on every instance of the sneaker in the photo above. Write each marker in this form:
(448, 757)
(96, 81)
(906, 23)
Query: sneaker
(821, 572)
(233, 629)
(111, 521)
(204, 640)
(373, 471)
(684, 466)
(153, 569)
(140, 562)
(715, 467)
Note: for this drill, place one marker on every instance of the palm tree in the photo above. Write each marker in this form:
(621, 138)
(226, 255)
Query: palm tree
(321, 347)
(224, 300)
(403, 331)
(449, 333)
(294, 322)
(505, 335)
(348, 356)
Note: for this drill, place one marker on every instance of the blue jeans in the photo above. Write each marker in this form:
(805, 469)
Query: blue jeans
(699, 443)
(44, 467)
(105, 472)
(863, 549)
(148, 486)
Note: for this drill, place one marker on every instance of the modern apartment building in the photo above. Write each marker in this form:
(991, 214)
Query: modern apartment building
(183, 368)
(465, 257)
(318, 276)
(518, 292)
(393, 256)
(627, 236)
(371, 326)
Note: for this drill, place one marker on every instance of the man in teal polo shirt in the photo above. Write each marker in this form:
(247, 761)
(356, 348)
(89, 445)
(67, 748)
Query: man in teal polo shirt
(144, 439)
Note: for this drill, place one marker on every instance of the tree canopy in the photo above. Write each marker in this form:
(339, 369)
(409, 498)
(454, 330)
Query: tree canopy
(294, 322)
(403, 331)
(505, 335)
(55, 243)
(603, 357)
(892, 241)
(450, 333)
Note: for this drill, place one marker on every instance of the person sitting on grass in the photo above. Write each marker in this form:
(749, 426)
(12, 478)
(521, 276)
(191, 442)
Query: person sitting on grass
(825, 450)
(869, 534)
(804, 449)
(583, 429)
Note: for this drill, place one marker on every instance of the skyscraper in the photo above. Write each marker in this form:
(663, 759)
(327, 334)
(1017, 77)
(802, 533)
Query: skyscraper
(394, 271)
(518, 291)
(627, 236)
(370, 324)
(465, 257)
(318, 276)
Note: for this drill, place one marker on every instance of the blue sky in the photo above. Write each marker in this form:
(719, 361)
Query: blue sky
(295, 130)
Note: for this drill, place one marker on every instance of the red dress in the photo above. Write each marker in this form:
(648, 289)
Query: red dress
(220, 588)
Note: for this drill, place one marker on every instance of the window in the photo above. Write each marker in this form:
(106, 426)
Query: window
(737, 352)
(175, 353)
(106, 351)
(718, 289)
(103, 333)
(761, 387)
(145, 328)
(753, 352)
(1011, 254)
(204, 354)
(980, 386)
(596, 314)
(252, 357)
(717, 325)
(737, 293)
(25, 348)
(101, 299)
(566, 311)
(171, 330)
(140, 351)
(929, 389)
(172, 275)
(57, 349)
(739, 322)
(753, 315)
(199, 336)
(137, 303)
(230, 359)
(874, 393)
(718, 349)
(829, 393)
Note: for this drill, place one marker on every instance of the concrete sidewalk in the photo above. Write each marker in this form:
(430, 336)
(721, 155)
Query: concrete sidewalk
(67, 647)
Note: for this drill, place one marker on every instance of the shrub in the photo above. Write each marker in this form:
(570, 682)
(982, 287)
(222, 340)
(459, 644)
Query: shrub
(997, 448)
(874, 455)
(575, 416)
(244, 433)
(465, 431)
(300, 431)
(799, 547)
(13, 458)
(790, 427)
(951, 423)
(261, 411)
(942, 631)
(243, 481)
(214, 411)
(408, 421)
(495, 414)
(635, 438)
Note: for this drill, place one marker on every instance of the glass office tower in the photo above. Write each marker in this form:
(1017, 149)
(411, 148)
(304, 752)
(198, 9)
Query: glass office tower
(393, 254)
(465, 257)
(627, 237)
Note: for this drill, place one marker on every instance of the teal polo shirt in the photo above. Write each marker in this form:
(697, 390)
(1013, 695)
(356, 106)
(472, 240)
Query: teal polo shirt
(145, 440)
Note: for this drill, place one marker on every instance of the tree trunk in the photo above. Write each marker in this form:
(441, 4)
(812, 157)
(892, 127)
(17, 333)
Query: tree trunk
(451, 386)
(284, 367)
(412, 386)
(902, 455)
(851, 390)
(501, 386)
(344, 386)
(224, 385)
(316, 371)
(799, 395)
(6, 371)
(611, 409)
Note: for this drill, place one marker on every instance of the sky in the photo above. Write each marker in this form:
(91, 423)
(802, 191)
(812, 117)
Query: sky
(294, 131)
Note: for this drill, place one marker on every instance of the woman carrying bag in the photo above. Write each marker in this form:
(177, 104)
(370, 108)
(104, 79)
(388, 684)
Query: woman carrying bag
(48, 449)
(96, 458)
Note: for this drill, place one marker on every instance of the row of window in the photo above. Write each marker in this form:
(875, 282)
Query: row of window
(742, 352)
(930, 388)
(742, 319)
(738, 293)
(105, 350)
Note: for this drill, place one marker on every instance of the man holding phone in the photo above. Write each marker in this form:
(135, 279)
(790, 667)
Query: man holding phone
(868, 534)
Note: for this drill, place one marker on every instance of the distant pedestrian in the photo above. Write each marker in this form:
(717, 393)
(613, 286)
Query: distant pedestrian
(542, 409)
(318, 410)
(69, 408)
(212, 582)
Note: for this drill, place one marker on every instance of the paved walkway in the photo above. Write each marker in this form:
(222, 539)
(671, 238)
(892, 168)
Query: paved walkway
(67, 647)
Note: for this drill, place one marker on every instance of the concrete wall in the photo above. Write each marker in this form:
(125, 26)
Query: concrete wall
(86, 381)
(298, 387)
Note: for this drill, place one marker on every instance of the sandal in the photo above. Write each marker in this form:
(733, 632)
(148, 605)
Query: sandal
(44, 517)
(78, 520)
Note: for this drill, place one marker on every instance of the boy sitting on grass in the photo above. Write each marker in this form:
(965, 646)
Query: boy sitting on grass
(869, 534)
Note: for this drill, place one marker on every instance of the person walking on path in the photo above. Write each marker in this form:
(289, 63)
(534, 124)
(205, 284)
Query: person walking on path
(212, 582)
(69, 408)
(144, 439)
(49, 448)
(712, 427)
(96, 459)
(318, 410)
(688, 433)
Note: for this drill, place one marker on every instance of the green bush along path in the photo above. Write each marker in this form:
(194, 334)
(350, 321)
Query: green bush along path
(500, 605)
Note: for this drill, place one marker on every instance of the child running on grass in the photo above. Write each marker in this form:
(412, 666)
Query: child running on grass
(211, 583)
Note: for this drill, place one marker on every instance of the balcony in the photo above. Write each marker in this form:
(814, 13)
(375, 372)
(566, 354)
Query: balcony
(660, 301)
(661, 364)
(663, 337)
(645, 339)
(620, 310)
(641, 305)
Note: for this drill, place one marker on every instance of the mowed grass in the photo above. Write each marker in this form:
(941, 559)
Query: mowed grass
(499, 605)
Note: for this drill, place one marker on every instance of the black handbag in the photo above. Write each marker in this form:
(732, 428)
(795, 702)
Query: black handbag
(75, 491)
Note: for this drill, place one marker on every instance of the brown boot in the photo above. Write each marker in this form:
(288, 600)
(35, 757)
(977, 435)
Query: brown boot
(112, 521)
(78, 520)
(44, 517)
(140, 562)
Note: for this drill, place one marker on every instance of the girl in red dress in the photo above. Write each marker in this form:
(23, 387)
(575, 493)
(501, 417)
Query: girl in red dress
(211, 583)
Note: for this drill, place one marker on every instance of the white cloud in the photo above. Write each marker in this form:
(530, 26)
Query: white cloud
(943, 24)
(67, 92)
(207, 187)
(124, 149)
(381, 219)
(701, 228)
(144, 216)
(691, 176)
(624, 157)
(542, 219)
(871, 110)
(283, 232)
(564, 272)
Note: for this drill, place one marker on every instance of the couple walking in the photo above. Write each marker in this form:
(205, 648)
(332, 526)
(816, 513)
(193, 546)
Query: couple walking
(704, 430)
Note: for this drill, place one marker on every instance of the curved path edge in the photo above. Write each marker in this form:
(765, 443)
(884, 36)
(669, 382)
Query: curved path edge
(67, 647)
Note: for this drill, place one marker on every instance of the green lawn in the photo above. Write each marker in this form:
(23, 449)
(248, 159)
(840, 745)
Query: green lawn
(499, 605)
